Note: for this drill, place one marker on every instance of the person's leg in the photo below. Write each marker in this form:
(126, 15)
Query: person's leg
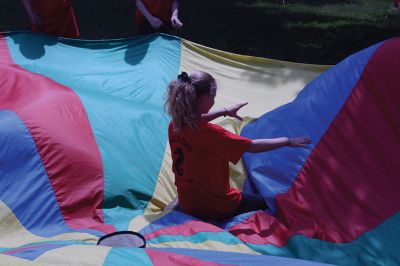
(251, 203)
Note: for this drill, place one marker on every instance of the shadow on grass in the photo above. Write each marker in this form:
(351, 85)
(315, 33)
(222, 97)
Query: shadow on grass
(105, 19)
(278, 32)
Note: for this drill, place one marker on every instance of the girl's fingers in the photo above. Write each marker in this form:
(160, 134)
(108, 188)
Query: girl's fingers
(239, 117)
(243, 104)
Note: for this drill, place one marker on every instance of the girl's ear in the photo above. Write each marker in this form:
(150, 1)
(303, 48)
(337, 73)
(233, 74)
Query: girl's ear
(200, 101)
(203, 98)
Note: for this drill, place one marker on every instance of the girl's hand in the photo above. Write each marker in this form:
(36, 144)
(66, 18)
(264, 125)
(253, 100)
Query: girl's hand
(37, 20)
(232, 111)
(299, 142)
(156, 23)
(176, 23)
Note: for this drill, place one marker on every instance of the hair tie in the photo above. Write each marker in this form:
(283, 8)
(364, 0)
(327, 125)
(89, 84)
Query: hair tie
(184, 77)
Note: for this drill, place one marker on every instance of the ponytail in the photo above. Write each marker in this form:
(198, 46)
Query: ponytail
(182, 98)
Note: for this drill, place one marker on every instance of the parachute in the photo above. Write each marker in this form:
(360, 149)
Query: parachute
(84, 153)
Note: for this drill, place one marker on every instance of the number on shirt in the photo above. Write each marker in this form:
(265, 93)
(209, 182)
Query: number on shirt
(178, 162)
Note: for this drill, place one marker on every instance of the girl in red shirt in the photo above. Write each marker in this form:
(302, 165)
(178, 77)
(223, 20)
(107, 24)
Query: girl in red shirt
(157, 16)
(54, 17)
(201, 151)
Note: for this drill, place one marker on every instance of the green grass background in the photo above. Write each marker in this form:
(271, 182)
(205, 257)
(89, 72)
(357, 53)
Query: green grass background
(321, 32)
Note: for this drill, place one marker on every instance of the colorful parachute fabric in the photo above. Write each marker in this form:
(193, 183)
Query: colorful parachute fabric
(84, 152)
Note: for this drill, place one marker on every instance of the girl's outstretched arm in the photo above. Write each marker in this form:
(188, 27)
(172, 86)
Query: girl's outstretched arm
(230, 111)
(261, 145)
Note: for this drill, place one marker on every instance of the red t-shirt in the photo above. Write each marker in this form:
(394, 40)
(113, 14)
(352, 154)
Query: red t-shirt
(157, 8)
(201, 167)
(57, 16)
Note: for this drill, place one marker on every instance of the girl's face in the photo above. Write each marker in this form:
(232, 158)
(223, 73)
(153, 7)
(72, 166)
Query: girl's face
(207, 100)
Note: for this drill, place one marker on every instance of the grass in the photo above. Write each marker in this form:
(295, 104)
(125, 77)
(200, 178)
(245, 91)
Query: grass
(322, 32)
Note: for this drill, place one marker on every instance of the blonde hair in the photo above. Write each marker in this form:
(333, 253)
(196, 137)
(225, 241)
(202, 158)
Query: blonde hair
(182, 98)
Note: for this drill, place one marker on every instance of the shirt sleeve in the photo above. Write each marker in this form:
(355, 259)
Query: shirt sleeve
(220, 141)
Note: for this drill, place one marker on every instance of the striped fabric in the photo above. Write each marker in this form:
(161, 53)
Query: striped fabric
(84, 152)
